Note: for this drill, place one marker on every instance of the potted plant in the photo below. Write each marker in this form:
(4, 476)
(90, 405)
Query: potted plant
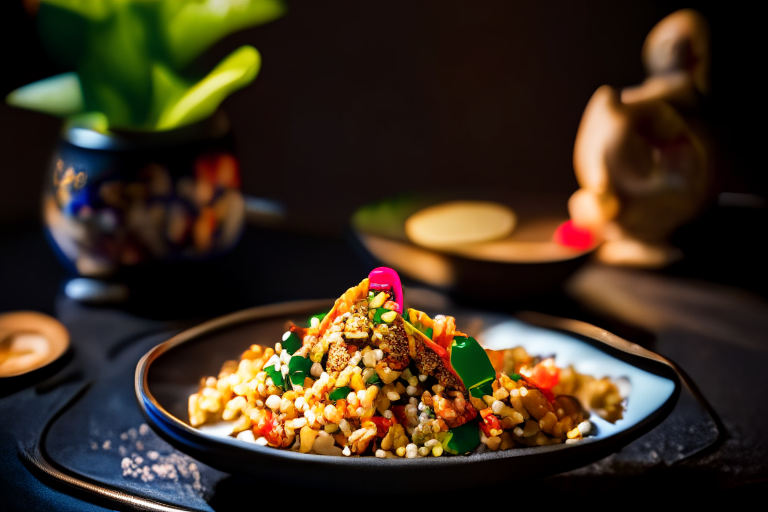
(145, 169)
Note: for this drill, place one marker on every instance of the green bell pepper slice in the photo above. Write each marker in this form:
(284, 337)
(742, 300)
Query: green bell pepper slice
(377, 315)
(462, 439)
(481, 390)
(375, 380)
(472, 365)
(291, 342)
(298, 369)
(277, 377)
(339, 393)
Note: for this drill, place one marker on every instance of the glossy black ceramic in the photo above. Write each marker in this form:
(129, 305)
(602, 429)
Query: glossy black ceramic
(119, 201)
(169, 373)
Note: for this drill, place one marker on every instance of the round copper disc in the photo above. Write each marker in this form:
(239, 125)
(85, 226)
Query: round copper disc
(29, 340)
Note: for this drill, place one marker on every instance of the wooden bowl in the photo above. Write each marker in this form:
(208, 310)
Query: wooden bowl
(526, 264)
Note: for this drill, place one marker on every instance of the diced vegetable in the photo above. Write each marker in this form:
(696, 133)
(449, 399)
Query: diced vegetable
(462, 439)
(339, 393)
(267, 426)
(276, 376)
(490, 424)
(472, 364)
(291, 342)
(545, 374)
(382, 425)
(399, 412)
(479, 391)
(378, 313)
(375, 380)
(298, 369)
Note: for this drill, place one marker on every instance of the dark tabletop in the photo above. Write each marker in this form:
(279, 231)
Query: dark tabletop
(709, 315)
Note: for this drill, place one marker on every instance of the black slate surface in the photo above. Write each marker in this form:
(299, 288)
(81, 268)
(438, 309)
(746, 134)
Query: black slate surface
(103, 435)
(681, 454)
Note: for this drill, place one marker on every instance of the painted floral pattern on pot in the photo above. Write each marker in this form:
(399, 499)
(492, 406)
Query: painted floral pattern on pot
(104, 213)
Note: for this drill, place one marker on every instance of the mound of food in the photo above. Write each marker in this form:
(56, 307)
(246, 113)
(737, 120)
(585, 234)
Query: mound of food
(372, 378)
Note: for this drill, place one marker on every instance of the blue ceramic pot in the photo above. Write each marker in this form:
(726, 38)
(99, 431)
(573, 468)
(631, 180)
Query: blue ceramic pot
(128, 200)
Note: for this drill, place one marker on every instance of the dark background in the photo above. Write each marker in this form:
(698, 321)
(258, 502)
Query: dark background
(450, 93)
(356, 100)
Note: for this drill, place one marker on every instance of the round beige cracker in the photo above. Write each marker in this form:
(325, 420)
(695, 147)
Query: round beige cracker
(460, 222)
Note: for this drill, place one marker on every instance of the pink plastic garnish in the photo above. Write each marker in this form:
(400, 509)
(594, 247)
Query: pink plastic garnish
(386, 279)
(571, 235)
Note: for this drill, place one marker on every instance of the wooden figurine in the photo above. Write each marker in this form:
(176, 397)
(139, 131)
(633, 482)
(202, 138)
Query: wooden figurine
(640, 156)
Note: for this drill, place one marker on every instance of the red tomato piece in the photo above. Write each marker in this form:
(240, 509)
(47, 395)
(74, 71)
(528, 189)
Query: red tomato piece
(545, 374)
(485, 429)
(399, 411)
(492, 421)
(382, 425)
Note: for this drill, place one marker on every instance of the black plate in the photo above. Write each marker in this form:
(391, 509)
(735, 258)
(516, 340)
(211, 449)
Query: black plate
(169, 373)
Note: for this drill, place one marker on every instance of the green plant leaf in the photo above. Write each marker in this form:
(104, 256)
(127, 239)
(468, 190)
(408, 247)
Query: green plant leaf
(116, 71)
(167, 90)
(194, 26)
(202, 99)
(130, 58)
(63, 34)
(59, 95)
(95, 11)
(95, 121)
